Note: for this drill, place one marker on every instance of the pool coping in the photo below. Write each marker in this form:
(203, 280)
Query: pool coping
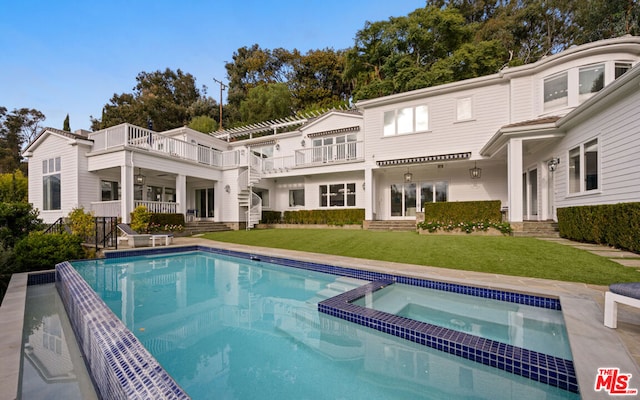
(593, 345)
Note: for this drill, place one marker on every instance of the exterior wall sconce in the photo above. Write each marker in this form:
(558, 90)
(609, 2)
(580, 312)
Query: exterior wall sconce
(277, 146)
(303, 143)
(138, 178)
(475, 172)
(227, 188)
(553, 164)
(364, 186)
(408, 177)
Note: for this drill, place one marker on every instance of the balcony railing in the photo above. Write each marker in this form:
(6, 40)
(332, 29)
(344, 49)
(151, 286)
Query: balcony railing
(113, 208)
(160, 207)
(106, 208)
(133, 136)
(315, 156)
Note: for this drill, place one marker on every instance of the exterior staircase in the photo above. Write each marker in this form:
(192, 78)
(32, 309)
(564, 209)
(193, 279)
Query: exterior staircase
(197, 227)
(397, 225)
(246, 198)
(538, 229)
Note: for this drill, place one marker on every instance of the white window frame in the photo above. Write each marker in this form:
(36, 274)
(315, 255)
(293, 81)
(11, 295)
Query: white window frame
(555, 104)
(582, 175)
(348, 191)
(406, 120)
(50, 169)
(292, 202)
(466, 104)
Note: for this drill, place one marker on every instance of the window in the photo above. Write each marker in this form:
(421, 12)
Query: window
(555, 91)
(338, 195)
(263, 151)
(621, 68)
(432, 192)
(591, 81)
(109, 190)
(296, 197)
(406, 120)
(583, 167)
(51, 184)
(463, 109)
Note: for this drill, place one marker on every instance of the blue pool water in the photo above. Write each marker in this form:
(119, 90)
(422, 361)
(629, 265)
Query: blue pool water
(230, 328)
(528, 327)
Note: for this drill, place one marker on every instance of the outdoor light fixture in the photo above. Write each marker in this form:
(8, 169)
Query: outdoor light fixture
(139, 178)
(475, 172)
(277, 146)
(553, 164)
(227, 188)
(303, 143)
(408, 177)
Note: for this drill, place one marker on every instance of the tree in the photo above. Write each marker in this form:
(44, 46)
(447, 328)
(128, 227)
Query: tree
(14, 187)
(204, 124)
(17, 128)
(266, 102)
(162, 97)
(65, 125)
(17, 219)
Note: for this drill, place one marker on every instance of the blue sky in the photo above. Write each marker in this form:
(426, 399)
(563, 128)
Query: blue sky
(70, 57)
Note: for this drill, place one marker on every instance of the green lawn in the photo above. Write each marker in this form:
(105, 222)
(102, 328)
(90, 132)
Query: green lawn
(501, 255)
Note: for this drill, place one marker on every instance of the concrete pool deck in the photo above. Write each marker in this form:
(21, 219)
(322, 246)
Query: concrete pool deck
(593, 345)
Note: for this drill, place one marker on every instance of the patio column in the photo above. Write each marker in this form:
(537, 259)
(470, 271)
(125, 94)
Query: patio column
(368, 194)
(181, 194)
(127, 190)
(514, 177)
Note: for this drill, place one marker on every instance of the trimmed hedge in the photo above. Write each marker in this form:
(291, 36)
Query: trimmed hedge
(167, 219)
(271, 217)
(463, 211)
(350, 216)
(616, 225)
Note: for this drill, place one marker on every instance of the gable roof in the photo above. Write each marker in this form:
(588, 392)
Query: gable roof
(58, 132)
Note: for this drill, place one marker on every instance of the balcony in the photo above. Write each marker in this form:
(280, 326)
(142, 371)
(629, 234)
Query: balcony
(316, 156)
(126, 135)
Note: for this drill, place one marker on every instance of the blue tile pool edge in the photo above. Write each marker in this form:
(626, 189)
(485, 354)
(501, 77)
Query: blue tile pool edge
(536, 366)
(539, 367)
(120, 366)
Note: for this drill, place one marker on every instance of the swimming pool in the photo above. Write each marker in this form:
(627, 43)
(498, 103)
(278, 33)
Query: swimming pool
(242, 328)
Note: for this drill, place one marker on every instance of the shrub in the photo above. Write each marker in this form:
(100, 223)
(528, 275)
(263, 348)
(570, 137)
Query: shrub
(467, 216)
(16, 221)
(347, 216)
(271, 217)
(82, 223)
(40, 251)
(166, 223)
(140, 219)
(616, 225)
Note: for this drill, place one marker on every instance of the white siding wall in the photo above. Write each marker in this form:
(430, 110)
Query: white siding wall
(522, 99)
(54, 146)
(445, 135)
(88, 182)
(618, 132)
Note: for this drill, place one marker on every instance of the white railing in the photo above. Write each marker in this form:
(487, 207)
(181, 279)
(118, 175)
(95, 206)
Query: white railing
(255, 211)
(106, 208)
(243, 181)
(134, 136)
(278, 164)
(162, 207)
(333, 153)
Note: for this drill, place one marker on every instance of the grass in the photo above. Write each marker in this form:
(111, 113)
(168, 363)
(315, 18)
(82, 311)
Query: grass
(528, 257)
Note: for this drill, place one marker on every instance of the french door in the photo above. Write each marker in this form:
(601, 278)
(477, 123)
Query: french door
(204, 202)
(403, 200)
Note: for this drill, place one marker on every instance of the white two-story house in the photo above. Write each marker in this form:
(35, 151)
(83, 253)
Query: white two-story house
(559, 132)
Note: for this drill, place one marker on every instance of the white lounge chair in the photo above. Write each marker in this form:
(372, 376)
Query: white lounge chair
(624, 293)
(136, 239)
